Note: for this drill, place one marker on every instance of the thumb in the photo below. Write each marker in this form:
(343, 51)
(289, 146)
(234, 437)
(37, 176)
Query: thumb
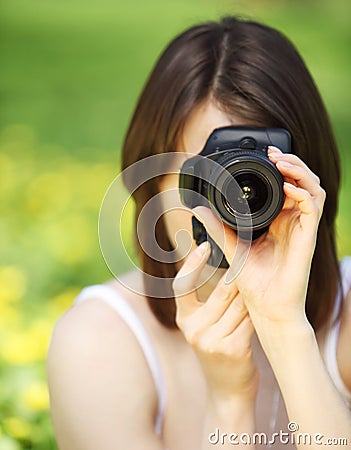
(184, 284)
(235, 250)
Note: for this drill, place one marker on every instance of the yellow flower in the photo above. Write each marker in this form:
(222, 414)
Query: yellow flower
(8, 315)
(63, 301)
(29, 345)
(13, 283)
(17, 427)
(36, 397)
(49, 193)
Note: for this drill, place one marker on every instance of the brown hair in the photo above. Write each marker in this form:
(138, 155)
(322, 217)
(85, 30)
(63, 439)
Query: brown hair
(254, 72)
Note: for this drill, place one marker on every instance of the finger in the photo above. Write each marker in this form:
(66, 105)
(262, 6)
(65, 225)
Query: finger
(220, 299)
(293, 168)
(240, 338)
(303, 179)
(276, 155)
(288, 202)
(222, 234)
(310, 212)
(232, 317)
(184, 284)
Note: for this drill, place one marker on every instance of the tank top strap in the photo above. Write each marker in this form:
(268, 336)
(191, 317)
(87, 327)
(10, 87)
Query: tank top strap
(111, 296)
(345, 270)
(332, 335)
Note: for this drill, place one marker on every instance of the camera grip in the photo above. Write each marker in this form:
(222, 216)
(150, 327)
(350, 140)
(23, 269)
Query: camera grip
(216, 259)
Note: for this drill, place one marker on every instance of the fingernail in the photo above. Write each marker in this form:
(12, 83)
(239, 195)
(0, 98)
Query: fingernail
(289, 185)
(203, 248)
(273, 149)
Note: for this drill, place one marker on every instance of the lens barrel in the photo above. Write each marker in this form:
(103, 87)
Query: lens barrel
(246, 190)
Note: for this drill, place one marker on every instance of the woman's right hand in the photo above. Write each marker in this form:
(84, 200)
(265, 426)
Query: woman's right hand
(219, 330)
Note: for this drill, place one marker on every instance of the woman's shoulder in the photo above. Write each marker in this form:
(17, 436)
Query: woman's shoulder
(94, 317)
(91, 323)
(93, 355)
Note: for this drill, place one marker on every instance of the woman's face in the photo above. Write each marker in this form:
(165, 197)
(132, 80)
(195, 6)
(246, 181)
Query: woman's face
(200, 124)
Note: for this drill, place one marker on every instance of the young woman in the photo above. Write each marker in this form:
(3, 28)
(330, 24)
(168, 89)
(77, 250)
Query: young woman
(268, 351)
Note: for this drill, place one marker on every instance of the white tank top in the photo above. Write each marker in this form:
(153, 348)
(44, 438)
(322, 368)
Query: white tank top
(111, 296)
(331, 338)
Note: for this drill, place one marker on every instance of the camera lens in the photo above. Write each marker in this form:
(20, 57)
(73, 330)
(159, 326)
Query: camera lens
(245, 193)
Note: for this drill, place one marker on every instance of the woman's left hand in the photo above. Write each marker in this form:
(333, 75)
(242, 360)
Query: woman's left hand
(274, 279)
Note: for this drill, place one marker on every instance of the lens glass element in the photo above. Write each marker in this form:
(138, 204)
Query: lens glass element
(245, 190)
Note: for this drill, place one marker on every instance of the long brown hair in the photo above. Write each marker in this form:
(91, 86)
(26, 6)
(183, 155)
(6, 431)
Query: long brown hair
(254, 72)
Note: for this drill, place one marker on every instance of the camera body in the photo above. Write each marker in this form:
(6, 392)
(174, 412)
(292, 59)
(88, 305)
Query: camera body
(235, 178)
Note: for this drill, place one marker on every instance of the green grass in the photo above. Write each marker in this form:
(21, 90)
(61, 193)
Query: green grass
(73, 70)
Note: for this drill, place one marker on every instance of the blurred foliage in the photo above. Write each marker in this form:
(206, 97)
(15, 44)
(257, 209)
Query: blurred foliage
(70, 75)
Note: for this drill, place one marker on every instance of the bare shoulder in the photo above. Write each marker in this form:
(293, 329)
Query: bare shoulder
(90, 324)
(343, 353)
(100, 385)
(93, 322)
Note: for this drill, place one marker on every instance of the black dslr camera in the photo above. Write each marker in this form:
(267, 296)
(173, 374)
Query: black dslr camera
(235, 178)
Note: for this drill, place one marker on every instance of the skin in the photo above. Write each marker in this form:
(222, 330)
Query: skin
(211, 375)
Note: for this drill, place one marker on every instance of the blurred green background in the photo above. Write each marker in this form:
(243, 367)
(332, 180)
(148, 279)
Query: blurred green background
(70, 75)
